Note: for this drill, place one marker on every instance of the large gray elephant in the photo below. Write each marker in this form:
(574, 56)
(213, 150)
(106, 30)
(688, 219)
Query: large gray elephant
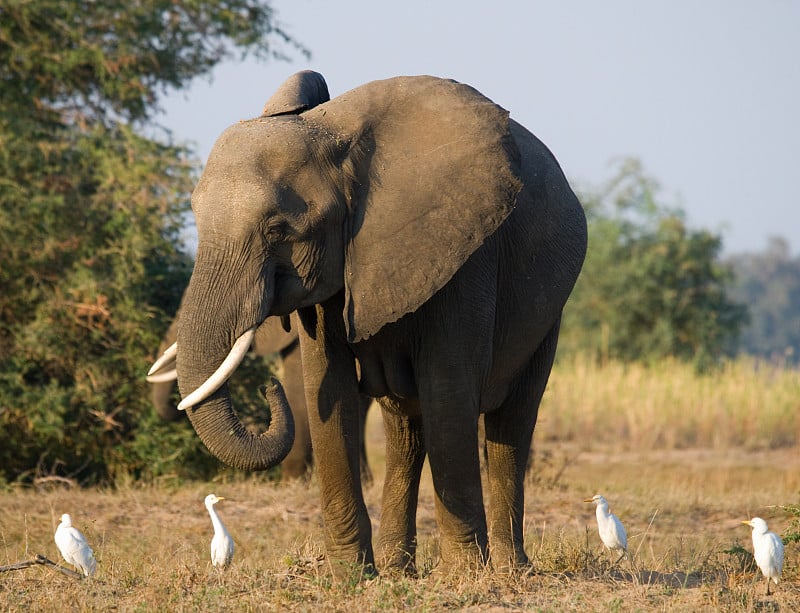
(270, 339)
(425, 244)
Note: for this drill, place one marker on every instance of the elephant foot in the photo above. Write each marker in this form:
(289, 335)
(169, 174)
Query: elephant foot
(509, 560)
(517, 568)
(400, 564)
(351, 573)
(351, 566)
(462, 560)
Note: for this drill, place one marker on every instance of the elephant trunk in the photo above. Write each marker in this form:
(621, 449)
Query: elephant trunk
(226, 437)
(204, 345)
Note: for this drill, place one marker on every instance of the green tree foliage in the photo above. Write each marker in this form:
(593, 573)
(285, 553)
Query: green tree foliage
(117, 57)
(769, 283)
(91, 213)
(651, 287)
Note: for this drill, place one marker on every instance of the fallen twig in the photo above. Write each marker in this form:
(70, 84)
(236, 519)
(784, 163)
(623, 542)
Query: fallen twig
(40, 559)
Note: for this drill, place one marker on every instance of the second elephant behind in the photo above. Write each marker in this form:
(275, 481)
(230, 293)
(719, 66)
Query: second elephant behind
(270, 338)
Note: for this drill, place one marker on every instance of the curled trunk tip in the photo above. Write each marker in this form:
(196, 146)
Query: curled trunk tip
(227, 439)
(281, 414)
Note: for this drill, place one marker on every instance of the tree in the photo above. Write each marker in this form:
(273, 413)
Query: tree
(769, 283)
(81, 58)
(91, 213)
(650, 287)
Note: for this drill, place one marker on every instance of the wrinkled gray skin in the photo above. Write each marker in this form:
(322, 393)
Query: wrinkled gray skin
(271, 338)
(411, 227)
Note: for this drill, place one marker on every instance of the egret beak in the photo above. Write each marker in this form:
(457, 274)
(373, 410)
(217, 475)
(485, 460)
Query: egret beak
(220, 497)
(589, 500)
(747, 523)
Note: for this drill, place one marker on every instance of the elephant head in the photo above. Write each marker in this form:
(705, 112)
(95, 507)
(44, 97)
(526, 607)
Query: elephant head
(302, 91)
(292, 210)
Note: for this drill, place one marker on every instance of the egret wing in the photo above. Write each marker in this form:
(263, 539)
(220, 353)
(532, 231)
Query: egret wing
(769, 555)
(75, 549)
(622, 536)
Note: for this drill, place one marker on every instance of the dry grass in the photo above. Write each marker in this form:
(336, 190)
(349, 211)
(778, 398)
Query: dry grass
(668, 406)
(681, 507)
(682, 512)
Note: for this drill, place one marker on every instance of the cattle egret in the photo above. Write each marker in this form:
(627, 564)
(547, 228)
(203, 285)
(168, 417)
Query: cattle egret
(612, 532)
(222, 543)
(767, 550)
(74, 548)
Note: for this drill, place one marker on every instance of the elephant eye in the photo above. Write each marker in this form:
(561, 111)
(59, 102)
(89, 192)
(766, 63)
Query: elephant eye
(277, 231)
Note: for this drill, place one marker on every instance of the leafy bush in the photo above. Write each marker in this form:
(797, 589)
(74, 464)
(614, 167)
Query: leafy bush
(91, 216)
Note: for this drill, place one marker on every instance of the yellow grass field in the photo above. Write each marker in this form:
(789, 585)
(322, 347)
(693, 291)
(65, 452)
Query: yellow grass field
(681, 495)
(746, 404)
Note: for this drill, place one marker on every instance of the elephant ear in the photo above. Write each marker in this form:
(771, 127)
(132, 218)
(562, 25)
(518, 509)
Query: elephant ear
(443, 175)
(302, 91)
(271, 337)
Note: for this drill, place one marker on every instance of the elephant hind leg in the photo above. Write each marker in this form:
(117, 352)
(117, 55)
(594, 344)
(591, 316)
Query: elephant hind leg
(405, 455)
(451, 441)
(364, 402)
(298, 463)
(509, 431)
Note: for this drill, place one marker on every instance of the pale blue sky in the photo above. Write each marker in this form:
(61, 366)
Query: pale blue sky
(705, 92)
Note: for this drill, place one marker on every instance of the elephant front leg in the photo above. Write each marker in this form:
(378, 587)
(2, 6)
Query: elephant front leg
(333, 400)
(405, 455)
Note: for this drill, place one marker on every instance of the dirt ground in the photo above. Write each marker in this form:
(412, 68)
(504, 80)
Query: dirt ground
(682, 510)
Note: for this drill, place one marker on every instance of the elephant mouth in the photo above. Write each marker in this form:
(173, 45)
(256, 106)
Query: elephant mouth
(217, 379)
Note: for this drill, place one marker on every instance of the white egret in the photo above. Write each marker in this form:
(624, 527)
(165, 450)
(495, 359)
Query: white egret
(767, 550)
(612, 532)
(74, 547)
(222, 543)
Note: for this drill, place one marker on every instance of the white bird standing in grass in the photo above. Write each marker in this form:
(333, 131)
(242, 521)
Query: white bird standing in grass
(74, 547)
(222, 543)
(767, 550)
(612, 532)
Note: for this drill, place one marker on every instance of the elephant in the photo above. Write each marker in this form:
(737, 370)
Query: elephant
(270, 338)
(423, 244)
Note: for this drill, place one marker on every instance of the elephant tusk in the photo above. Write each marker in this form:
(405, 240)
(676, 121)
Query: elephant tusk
(163, 377)
(168, 356)
(223, 373)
